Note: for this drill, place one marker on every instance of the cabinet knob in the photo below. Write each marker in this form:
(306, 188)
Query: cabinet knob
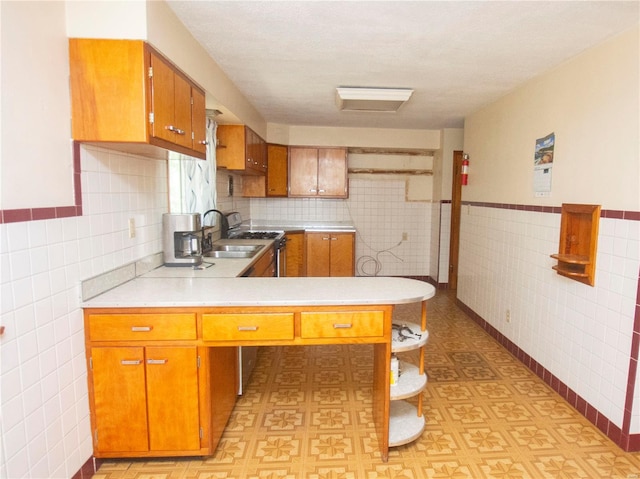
(203, 142)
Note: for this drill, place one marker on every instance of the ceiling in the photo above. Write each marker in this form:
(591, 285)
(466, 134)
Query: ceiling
(288, 57)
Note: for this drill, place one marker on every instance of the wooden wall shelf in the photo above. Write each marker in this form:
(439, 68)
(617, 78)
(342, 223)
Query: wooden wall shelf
(578, 242)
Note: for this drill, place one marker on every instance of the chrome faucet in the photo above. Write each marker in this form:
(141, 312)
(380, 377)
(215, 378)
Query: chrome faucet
(224, 223)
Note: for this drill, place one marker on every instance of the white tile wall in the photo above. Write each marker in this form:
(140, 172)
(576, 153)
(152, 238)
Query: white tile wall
(45, 411)
(380, 213)
(445, 239)
(581, 334)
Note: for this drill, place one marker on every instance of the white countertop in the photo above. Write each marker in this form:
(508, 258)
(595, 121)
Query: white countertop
(155, 291)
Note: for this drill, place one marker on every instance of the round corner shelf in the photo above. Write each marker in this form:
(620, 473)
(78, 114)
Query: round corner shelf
(405, 425)
(411, 382)
(409, 343)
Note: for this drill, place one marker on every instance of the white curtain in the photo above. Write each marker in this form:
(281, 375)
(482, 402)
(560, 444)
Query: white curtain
(192, 182)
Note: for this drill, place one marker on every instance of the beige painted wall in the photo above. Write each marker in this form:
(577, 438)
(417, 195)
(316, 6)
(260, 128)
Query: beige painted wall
(364, 137)
(119, 19)
(36, 168)
(169, 35)
(591, 104)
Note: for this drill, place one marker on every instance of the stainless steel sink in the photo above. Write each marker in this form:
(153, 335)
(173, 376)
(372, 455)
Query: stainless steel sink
(233, 251)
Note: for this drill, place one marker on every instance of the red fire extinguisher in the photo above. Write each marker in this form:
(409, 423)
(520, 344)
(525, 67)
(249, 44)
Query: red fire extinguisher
(465, 169)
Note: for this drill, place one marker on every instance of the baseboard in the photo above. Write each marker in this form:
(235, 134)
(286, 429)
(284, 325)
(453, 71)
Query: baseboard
(88, 469)
(627, 442)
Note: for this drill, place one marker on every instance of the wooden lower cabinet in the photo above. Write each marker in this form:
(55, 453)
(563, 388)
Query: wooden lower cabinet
(330, 254)
(146, 399)
(294, 263)
(157, 394)
(151, 393)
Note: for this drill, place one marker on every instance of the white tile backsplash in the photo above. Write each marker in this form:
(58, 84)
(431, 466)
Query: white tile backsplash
(380, 213)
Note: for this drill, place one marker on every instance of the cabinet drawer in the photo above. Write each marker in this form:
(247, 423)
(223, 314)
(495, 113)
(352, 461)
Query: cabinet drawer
(247, 327)
(341, 324)
(142, 327)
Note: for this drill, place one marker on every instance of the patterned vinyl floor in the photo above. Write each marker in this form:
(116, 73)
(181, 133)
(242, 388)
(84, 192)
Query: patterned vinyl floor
(307, 414)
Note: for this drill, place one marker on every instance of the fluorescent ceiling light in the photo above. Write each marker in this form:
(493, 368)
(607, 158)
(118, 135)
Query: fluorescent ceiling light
(371, 99)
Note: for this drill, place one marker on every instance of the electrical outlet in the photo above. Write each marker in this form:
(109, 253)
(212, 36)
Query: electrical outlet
(405, 236)
(132, 228)
(508, 316)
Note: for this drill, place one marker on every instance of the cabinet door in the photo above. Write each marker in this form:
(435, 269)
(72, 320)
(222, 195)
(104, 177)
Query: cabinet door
(198, 121)
(120, 406)
(108, 84)
(162, 99)
(262, 154)
(342, 254)
(277, 170)
(231, 152)
(172, 398)
(182, 112)
(318, 253)
(294, 255)
(303, 171)
(332, 172)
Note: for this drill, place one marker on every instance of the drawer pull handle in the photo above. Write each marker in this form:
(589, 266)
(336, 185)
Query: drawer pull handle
(157, 361)
(247, 328)
(130, 362)
(141, 329)
(342, 326)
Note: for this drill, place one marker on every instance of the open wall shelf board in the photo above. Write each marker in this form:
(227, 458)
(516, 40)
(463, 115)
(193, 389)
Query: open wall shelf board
(578, 242)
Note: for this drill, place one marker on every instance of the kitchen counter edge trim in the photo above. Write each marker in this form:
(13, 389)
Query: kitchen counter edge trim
(238, 292)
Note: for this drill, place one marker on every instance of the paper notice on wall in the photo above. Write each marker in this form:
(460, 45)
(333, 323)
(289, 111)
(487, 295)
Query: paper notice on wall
(543, 165)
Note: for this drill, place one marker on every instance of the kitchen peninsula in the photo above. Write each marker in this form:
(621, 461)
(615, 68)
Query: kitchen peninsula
(157, 337)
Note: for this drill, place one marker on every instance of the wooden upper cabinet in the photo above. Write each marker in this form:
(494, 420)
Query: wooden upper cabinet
(170, 103)
(318, 172)
(198, 121)
(277, 170)
(127, 94)
(241, 149)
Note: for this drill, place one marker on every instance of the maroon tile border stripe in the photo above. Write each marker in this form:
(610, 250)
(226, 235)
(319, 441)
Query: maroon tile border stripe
(614, 214)
(34, 214)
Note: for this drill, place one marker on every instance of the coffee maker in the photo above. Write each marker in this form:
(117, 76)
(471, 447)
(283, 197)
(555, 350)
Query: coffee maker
(182, 239)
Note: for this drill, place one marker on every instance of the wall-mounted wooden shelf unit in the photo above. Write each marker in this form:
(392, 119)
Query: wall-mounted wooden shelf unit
(578, 242)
